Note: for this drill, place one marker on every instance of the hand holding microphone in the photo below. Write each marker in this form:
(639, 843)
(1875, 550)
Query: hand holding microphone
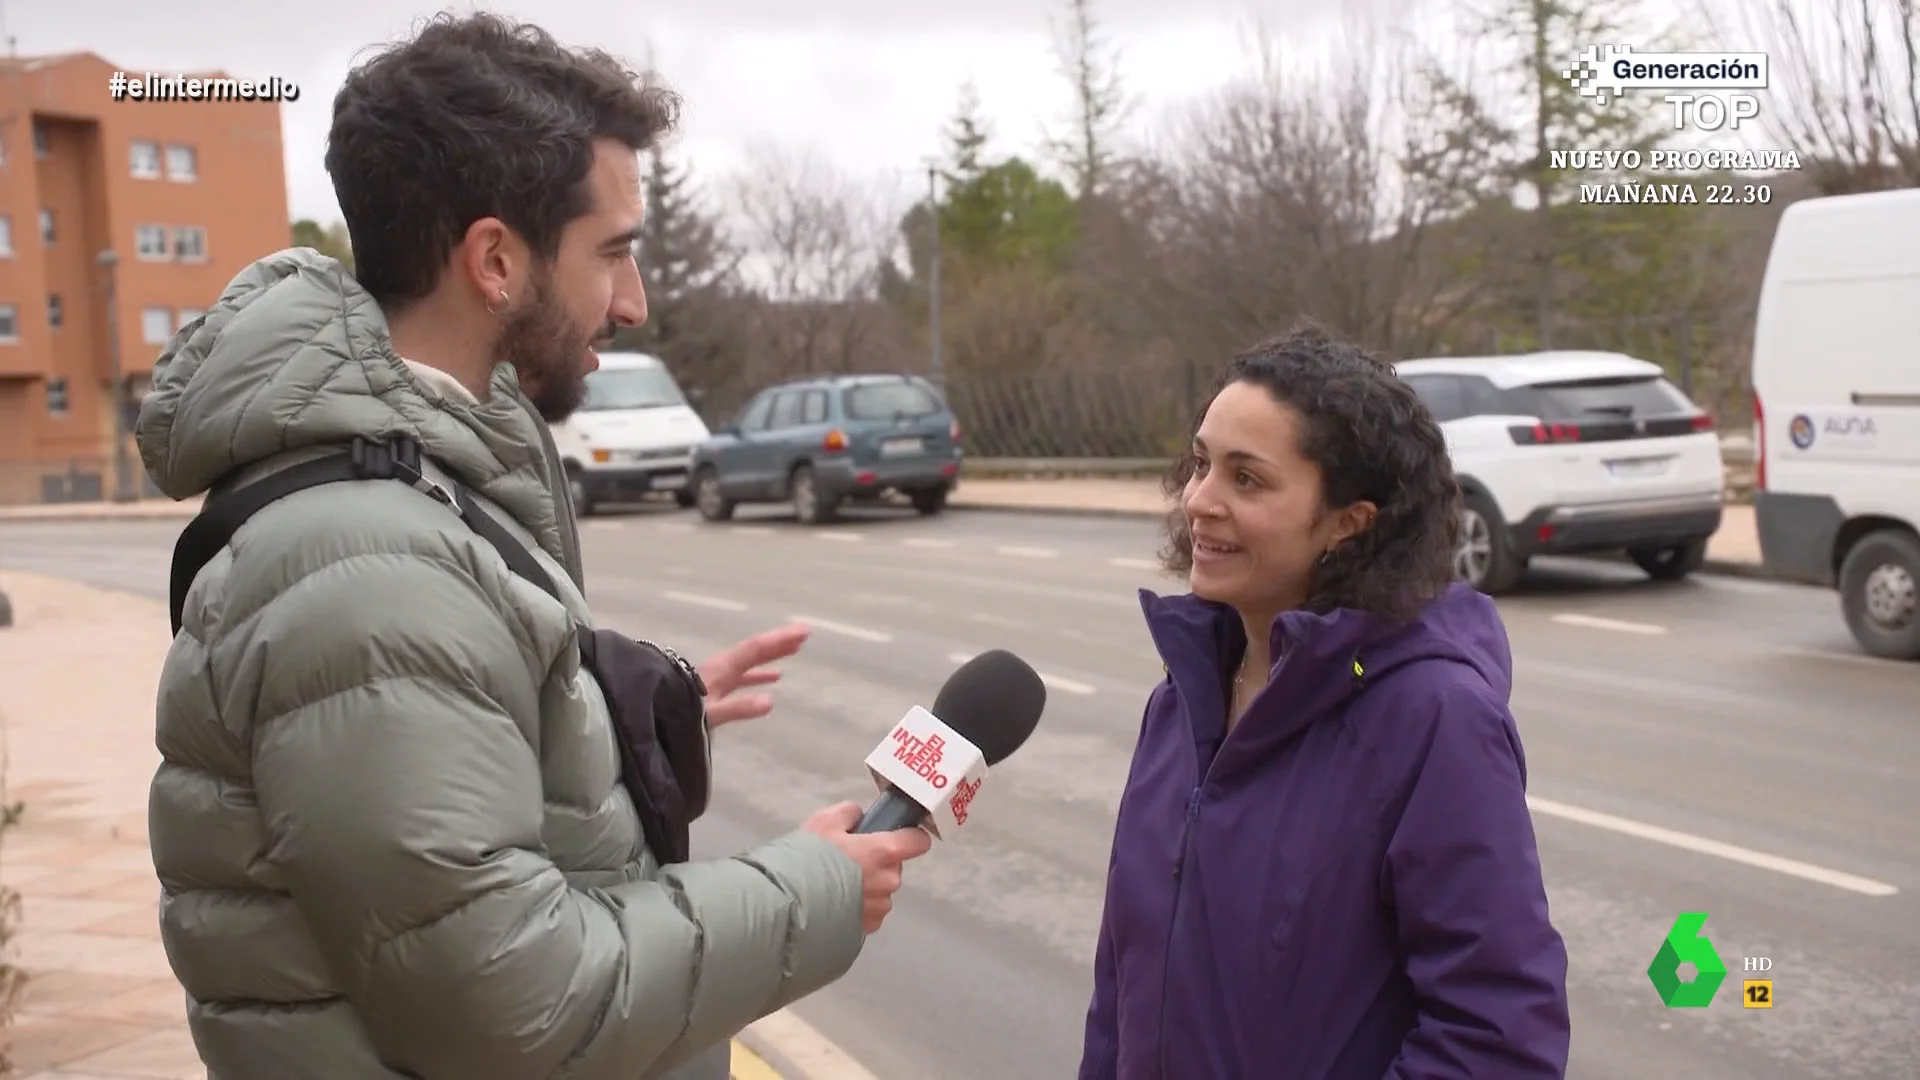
(879, 856)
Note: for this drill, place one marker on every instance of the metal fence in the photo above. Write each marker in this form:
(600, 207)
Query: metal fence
(68, 480)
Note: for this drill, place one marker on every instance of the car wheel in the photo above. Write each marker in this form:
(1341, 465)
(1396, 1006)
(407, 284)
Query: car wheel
(1671, 563)
(1485, 558)
(1877, 594)
(577, 492)
(707, 496)
(809, 505)
(929, 503)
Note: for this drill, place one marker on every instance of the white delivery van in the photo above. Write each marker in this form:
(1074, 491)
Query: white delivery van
(1836, 409)
(632, 436)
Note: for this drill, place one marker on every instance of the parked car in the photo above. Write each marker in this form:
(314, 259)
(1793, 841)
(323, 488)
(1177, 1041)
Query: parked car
(1836, 410)
(1573, 453)
(820, 443)
(632, 436)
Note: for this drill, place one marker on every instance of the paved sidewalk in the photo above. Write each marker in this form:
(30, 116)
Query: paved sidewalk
(77, 676)
(1735, 548)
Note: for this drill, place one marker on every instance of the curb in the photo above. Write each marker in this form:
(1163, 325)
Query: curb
(161, 512)
(1723, 567)
(1057, 511)
(766, 1058)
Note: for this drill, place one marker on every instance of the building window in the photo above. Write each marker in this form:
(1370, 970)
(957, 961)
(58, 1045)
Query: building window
(9, 324)
(183, 163)
(150, 242)
(39, 141)
(187, 315)
(156, 325)
(146, 160)
(56, 314)
(46, 226)
(56, 397)
(190, 243)
(6, 237)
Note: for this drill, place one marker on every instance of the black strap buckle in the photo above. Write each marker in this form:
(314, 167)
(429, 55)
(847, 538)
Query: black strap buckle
(391, 459)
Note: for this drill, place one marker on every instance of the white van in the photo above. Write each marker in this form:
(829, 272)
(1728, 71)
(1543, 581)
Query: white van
(632, 436)
(1836, 410)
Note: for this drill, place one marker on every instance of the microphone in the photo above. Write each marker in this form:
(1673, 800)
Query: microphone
(932, 763)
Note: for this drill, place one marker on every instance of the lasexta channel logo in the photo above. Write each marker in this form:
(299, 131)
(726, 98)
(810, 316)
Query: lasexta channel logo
(1685, 944)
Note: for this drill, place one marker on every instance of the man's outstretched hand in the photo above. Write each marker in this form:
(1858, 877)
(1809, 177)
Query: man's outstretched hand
(744, 666)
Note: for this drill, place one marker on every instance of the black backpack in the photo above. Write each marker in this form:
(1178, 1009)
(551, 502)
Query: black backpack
(657, 698)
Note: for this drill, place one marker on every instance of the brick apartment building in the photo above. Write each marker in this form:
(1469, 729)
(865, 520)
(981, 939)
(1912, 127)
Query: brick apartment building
(185, 193)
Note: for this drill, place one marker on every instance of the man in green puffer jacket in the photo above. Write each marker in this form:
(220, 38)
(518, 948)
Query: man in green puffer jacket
(389, 823)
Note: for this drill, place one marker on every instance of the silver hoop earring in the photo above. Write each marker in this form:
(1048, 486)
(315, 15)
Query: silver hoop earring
(503, 305)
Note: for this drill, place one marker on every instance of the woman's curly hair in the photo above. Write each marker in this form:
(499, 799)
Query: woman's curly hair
(1372, 439)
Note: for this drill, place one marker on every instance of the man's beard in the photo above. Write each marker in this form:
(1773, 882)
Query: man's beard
(547, 351)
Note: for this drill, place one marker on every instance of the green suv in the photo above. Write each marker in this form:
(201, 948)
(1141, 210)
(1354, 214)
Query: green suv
(820, 443)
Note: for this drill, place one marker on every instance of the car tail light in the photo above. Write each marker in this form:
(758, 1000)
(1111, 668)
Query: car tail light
(835, 442)
(1759, 444)
(1543, 434)
(1703, 422)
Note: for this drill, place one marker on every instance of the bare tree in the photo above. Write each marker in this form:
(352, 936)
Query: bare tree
(817, 242)
(1845, 85)
(1317, 192)
(1087, 149)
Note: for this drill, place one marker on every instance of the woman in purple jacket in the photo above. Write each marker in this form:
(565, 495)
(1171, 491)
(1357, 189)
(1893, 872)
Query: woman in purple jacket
(1324, 867)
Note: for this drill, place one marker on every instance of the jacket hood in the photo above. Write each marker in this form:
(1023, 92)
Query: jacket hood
(1321, 659)
(296, 355)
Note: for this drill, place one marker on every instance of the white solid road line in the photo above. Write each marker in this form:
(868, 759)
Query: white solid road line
(1065, 686)
(1027, 552)
(843, 537)
(1134, 564)
(796, 1043)
(925, 542)
(860, 632)
(1595, 622)
(705, 601)
(1732, 853)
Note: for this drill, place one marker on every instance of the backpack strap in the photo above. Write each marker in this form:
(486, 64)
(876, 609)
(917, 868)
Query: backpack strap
(366, 459)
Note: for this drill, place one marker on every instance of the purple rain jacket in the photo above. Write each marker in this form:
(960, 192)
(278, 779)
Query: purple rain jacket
(1347, 887)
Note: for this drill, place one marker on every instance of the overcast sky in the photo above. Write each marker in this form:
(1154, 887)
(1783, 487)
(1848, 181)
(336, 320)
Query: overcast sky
(867, 83)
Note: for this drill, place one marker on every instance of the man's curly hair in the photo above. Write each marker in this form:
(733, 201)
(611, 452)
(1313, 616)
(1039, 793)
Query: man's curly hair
(1371, 439)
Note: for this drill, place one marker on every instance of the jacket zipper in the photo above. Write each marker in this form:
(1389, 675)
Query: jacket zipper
(1173, 917)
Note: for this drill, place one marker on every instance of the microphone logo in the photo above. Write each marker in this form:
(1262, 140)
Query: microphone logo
(932, 765)
(921, 754)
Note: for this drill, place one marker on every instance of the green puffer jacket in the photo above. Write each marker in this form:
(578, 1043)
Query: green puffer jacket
(389, 825)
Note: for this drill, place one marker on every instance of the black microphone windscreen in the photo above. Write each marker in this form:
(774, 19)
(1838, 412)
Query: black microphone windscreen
(994, 701)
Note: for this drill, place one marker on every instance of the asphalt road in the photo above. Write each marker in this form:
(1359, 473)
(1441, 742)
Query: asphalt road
(1714, 745)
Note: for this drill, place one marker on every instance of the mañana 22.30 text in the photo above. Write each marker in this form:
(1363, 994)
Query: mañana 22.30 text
(1635, 192)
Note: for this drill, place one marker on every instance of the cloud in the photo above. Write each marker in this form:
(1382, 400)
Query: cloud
(868, 82)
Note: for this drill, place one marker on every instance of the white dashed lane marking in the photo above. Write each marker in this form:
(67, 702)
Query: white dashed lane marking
(842, 537)
(859, 632)
(1027, 552)
(1620, 626)
(926, 542)
(715, 602)
(1134, 564)
(1064, 685)
(1704, 846)
(752, 530)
